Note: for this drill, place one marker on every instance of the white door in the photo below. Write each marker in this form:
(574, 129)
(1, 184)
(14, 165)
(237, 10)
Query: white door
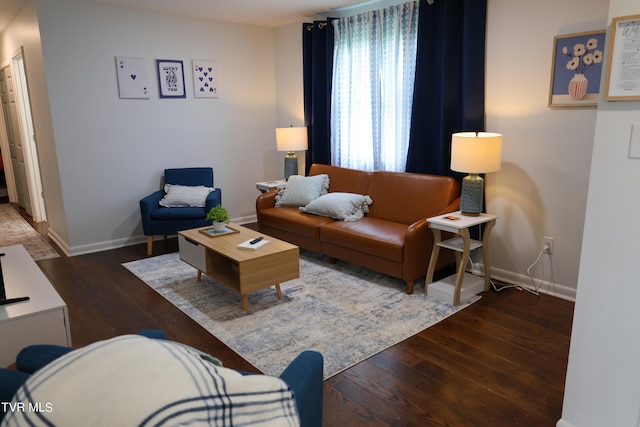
(16, 148)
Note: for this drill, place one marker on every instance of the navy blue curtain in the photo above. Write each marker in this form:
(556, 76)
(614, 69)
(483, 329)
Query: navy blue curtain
(317, 64)
(449, 87)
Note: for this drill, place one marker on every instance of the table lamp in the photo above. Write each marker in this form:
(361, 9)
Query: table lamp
(474, 153)
(291, 139)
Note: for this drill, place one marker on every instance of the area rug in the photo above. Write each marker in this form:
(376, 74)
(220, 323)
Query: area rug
(17, 231)
(345, 312)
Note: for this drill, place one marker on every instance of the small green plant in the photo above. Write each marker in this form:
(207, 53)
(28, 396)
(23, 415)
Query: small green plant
(219, 214)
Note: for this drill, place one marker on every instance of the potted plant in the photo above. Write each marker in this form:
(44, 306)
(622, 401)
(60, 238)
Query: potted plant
(220, 216)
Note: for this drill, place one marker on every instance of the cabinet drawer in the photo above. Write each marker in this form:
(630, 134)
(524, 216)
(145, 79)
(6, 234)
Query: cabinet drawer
(192, 253)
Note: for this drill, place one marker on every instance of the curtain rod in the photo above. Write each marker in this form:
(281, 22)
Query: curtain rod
(321, 25)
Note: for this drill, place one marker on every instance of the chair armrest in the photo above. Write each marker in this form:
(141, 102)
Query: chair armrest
(150, 204)
(213, 199)
(304, 375)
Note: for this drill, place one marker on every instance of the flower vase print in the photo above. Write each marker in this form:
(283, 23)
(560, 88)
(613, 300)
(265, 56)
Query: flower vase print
(582, 56)
(576, 70)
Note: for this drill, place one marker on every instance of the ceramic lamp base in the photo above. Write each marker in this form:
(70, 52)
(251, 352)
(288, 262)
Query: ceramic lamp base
(290, 165)
(472, 195)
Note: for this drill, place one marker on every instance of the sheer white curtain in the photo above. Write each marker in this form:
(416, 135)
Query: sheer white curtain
(372, 92)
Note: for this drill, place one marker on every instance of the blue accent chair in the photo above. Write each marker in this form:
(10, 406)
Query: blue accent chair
(304, 375)
(161, 221)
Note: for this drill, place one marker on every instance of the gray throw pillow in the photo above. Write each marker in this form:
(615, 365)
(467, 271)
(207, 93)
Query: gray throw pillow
(185, 195)
(344, 206)
(301, 190)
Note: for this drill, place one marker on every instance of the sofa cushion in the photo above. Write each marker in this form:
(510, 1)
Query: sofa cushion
(369, 235)
(185, 195)
(408, 197)
(293, 221)
(344, 180)
(344, 206)
(301, 190)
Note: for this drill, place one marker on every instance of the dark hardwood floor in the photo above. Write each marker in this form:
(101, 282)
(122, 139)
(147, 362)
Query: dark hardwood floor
(500, 362)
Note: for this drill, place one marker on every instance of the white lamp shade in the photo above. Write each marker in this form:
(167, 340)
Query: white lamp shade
(291, 139)
(475, 153)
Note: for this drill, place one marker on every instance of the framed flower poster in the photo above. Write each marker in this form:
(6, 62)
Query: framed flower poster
(622, 82)
(576, 68)
(170, 78)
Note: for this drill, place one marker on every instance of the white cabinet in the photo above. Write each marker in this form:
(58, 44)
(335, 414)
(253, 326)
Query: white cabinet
(43, 319)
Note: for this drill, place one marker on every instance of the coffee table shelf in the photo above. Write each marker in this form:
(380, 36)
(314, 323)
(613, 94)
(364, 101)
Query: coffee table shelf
(242, 270)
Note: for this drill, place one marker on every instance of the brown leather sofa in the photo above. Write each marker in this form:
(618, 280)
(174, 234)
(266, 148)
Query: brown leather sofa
(393, 238)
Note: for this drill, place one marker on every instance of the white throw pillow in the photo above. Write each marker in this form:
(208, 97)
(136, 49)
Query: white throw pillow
(344, 206)
(185, 195)
(301, 190)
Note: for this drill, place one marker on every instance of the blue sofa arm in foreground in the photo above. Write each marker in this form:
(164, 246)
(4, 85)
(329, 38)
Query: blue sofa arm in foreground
(48, 363)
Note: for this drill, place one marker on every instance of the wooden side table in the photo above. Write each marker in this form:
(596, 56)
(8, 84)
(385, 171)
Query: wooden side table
(459, 224)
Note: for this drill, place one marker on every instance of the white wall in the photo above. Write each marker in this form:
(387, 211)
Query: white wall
(541, 188)
(289, 85)
(24, 32)
(112, 151)
(603, 378)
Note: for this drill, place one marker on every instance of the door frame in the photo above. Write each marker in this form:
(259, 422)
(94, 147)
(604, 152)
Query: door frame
(27, 133)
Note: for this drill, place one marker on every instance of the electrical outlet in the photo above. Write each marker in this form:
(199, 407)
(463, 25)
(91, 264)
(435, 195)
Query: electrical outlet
(548, 244)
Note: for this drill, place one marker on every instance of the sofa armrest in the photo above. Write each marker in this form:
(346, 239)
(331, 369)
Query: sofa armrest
(304, 375)
(454, 206)
(266, 200)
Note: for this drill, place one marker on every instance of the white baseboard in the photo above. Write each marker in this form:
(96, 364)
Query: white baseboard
(117, 243)
(61, 243)
(553, 289)
(548, 288)
(563, 423)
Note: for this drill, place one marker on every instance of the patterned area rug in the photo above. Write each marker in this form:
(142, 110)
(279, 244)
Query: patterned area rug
(343, 311)
(17, 231)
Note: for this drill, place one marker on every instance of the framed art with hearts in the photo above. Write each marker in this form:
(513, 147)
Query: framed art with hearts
(132, 77)
(205, 78)
(170, 78)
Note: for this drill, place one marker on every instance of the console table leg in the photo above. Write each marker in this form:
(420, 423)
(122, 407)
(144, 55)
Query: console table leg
(437, 237)
(464, 233)
(279, 291)
(485, 255)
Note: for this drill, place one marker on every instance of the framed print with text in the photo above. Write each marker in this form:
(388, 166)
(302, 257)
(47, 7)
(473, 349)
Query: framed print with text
(622, 82)
(171, 78)
(576, 69)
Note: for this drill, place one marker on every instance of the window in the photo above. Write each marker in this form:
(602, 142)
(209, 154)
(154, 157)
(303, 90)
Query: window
(372, 92)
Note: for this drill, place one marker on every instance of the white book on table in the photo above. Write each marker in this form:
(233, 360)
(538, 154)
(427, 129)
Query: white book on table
(249, 246)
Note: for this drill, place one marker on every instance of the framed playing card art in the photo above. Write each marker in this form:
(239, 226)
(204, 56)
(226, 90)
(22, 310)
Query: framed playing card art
(132, 77)
(170, 78)
(205, 78)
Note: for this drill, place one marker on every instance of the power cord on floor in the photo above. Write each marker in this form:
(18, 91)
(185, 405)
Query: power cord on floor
(536, 287)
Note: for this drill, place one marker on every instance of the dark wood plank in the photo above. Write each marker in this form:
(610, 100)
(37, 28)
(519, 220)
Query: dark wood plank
(500, 362)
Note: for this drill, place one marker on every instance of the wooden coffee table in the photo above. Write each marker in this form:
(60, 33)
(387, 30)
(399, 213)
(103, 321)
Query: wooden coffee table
(243, 270)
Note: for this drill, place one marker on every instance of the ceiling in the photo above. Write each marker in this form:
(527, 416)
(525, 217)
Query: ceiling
(271, 13)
